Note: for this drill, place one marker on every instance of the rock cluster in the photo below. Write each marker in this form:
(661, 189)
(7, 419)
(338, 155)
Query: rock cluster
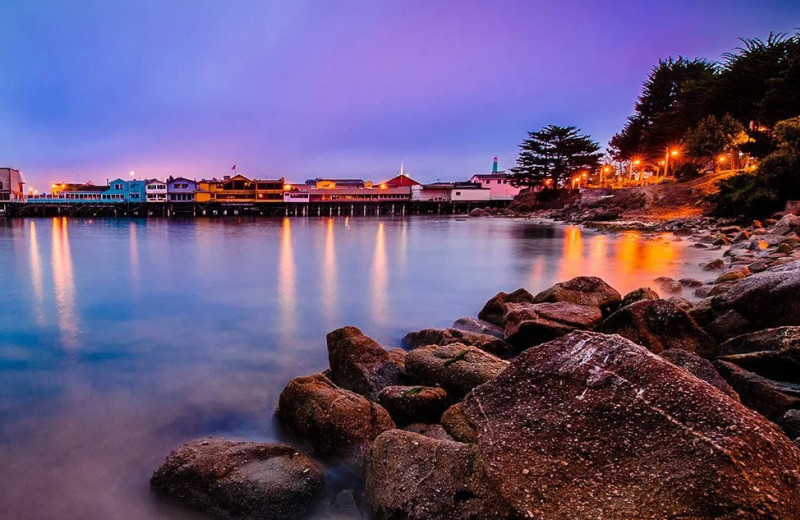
(575, 402)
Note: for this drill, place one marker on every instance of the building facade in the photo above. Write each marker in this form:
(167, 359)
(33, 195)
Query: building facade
(498, 183)
(181, 189)
(11, 185)
(155, 190)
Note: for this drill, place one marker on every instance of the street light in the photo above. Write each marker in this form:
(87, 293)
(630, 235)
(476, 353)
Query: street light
(674, 153)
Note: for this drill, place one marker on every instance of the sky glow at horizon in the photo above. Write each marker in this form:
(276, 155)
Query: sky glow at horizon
(92, 90)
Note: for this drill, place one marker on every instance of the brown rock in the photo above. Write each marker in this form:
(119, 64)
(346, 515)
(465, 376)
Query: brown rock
(790, 423)
(531, 324)
(494, 309)
(359, 364)
(434, 431)
(457, 368)
(235, 479)
(770, 298)
(457, 425)
(759, 393)
(583, 290)
(701, 368)
(726, 325)
(594, 426)
(337, 423)
(637, 295)
(730, 276)
(440, 337)
(410, 404)
(659, 325)
(771, 340)
(714, 265)
(415, 477)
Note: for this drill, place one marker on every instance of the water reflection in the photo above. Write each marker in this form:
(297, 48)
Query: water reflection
(36, 274)
(572, 255)
(64, 285)
(287, 288)
(329, 274)
(380, 276)
(134, 252)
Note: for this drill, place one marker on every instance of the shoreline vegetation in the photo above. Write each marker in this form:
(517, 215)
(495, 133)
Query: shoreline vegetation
(574, 402)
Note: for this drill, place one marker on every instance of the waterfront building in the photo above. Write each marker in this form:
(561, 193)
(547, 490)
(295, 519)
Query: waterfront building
(269, 190)
(116, 191)
(498, 183)
(137, 191)
(156, 190)
(11, 185)
(181, 189)
(314, 194)
(240, 189)
(450, 192)
(331, 184)
(401, 180)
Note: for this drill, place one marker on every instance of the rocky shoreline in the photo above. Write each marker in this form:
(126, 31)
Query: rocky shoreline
(576, 402)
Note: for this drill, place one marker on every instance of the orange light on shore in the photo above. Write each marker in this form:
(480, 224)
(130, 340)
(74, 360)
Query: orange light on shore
(722, 158)
(383, 186)
(287, 187)
(674, 152)
(637, 162)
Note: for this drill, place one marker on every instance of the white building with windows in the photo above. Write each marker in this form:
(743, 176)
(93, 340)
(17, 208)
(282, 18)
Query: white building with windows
(156, 190)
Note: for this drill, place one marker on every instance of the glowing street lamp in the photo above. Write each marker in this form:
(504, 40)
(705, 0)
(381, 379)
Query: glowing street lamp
(673, 153)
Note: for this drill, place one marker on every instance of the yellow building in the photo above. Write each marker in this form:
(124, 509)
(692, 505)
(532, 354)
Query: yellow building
(240, 189)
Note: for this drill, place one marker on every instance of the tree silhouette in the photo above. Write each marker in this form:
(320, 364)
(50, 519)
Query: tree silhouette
(554, 153)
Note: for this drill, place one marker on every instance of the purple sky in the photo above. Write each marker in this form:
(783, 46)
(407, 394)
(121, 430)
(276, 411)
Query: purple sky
(94, 89)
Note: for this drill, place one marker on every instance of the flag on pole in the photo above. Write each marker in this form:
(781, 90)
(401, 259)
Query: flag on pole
(233, 168)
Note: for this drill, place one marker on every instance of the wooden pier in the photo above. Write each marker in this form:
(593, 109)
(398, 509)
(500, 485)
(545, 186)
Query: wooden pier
(42, 208)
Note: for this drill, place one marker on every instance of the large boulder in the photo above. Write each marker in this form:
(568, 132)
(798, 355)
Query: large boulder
(776, 339)
(413, 404)
(359, 364)
(529, 324)
(470, 324)
(456, 367)
(659, 325)
(583, 290)
(414, 477)
(494, 309)
(770, 398)
(701, 368)
(638, 295)
(595, 426)
(235, 479)
(455, 423)
(337, 423)
(770, 298)
(485, 342)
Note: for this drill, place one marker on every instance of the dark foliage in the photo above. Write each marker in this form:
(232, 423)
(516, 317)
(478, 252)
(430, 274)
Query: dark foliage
(554, 153)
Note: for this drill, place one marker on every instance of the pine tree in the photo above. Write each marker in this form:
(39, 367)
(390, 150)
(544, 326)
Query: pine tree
(554, 153)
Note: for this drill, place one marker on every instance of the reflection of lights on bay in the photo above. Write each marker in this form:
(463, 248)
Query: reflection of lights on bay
(64, 284)
(36, 273)
(134, 245)
(329, 273)
(287, 297)
(380, 276)
(572, 256)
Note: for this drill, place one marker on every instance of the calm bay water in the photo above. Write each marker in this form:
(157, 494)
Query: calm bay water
(120, 339)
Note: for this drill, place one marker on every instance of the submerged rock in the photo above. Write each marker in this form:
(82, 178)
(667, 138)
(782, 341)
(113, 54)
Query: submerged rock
(235, 479)
(456, 367)
(415, 477)
(659, 325)
(440, 337)
(478, 326)
(595, 426)
(531, 324)
(413, 404)
(494, 309)
(337, 423)
(583, 290)
(359, 364)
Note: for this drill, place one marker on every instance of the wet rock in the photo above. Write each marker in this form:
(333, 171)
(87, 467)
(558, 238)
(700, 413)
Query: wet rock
(730, 276)
(478, 326)
(440, 337)
(768, 340)
(434, 431)
(413, 477)
(704, 291)
(359, 364)
(759, 393)
(726, 325)
(741, 236)
(714, 265)
(337, 423)
(494, 309)
(530, 324)
(659, 325)
(584, 290)
(637, 295)
(757, 266)
(770, 298)
(344, 505)
(790, 423)
(690, 282)
(594, 426)
(669, 285)
(456, 367)
(701, 368)
(409, 404)
(478, 212)
(681, 303)
(457, 425)
(235, 479)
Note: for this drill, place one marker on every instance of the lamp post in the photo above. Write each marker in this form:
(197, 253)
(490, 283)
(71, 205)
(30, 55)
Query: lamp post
(631, 164)
(674, 153)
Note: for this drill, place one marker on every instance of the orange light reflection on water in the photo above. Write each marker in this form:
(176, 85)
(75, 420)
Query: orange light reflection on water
(36, 274)
(287, 282)
(329, 273)
(380, 276)
(64, 284)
